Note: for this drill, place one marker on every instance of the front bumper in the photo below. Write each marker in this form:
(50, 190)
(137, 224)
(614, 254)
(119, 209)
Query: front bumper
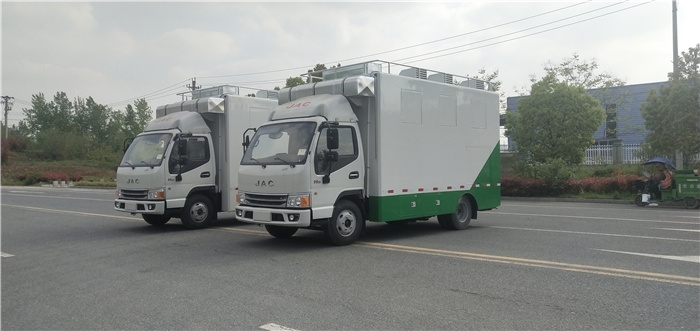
(299, 218)
(140, 206)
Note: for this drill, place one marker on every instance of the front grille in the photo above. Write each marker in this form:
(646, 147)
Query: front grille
(266, 200)
(134, 194)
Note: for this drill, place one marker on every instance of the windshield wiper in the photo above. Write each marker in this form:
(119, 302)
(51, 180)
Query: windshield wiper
(260, 163)
(131, 165)
(148, 164)
(291, 165)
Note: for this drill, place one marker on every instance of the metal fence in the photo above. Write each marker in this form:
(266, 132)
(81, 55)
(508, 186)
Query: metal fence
(606, 154)
(610, 154)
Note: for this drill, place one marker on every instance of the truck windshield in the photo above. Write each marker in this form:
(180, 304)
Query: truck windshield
(282, 143)
(146, 150)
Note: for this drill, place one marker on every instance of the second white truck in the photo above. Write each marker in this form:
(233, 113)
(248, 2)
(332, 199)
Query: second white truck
(185, 162)
(364, 144)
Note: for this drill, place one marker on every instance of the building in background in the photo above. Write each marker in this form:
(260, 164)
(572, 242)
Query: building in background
(623, 126)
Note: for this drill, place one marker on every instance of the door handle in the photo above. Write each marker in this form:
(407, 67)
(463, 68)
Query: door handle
(354, 175)
(205, 174)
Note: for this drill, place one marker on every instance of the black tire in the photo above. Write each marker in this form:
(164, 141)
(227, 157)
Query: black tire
(347, 223)
(282, 232)
(691, 203)
(638, 201)
(198, 212)
(156, 220)
(460, 219)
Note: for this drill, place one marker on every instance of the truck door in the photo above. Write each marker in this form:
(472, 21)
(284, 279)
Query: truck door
(197, 171)
(346, 174)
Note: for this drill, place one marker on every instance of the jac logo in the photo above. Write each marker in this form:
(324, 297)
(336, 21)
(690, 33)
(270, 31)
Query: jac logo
(299, 105)
(263, 183)
(132, 181)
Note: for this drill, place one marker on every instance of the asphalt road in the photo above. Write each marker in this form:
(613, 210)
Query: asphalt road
(69, 261)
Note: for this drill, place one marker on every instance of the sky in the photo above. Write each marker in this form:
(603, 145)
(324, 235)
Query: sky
(117, 52)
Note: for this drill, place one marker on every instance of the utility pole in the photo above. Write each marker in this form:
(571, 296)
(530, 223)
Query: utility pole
(676, 71)
(192, 88)
(674, 9)
(8, 101)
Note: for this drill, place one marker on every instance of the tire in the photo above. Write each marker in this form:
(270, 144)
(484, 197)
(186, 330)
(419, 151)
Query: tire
(460, 219)
(346, 224)
(155, 220)
(691, 203)
(282, 232)
(198, 212)
(638, 201)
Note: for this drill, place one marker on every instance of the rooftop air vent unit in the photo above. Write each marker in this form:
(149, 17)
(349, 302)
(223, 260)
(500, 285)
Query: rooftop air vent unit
(415, 73)
(442, 78)
(215, 91)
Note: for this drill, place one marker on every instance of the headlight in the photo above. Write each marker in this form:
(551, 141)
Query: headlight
(240, 197)
(298, 201)
(157, 194)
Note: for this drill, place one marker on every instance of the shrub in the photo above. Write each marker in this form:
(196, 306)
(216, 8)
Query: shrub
(5, 152)
(51, 176)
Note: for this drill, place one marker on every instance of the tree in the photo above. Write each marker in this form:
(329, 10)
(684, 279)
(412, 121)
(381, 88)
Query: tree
(495, 85)
(556, 121)
(578, 72)
(294, 81)
(672, 114)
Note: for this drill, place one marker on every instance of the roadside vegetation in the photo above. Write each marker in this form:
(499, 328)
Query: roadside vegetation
(82, 142)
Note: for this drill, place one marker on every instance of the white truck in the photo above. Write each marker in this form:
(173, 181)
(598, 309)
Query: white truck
(365, 144)
(185, 162)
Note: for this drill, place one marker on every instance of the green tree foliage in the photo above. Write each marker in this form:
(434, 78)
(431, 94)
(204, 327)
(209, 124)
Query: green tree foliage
(556, 121)
(294, 81)
(62, 130)
(672, 114)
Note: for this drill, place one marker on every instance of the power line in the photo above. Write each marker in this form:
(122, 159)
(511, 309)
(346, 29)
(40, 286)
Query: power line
(528, 35)
(511, 33)
(160, 93)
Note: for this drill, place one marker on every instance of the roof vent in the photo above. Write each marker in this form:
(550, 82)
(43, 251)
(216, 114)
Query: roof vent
(415, 73)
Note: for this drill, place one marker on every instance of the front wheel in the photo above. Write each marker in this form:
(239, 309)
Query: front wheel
(638, 201)
(198, 212)
(282, 232)
(156, 220)
(460, 219)
(346, 225)
(691, 203)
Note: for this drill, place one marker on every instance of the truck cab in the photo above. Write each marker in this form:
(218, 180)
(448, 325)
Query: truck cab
(164, 165)
(300, 163)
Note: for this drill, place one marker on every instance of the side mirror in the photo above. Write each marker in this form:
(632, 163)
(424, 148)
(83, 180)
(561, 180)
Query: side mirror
(331, 156)
(127, 143)
(182, 160)
(332, 139)
(182, 146)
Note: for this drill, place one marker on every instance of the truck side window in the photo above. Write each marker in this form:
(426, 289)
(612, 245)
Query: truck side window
(347, 150)
(197, 155)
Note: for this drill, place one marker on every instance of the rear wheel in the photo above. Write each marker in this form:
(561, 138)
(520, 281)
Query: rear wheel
(282, 232)
(460, 219)
(638, 201)
(156, 220)
(691, 203)
(347, 223)
(198, 212)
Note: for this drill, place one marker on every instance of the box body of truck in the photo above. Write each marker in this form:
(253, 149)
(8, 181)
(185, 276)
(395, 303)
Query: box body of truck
(409, 148)
(185, 163)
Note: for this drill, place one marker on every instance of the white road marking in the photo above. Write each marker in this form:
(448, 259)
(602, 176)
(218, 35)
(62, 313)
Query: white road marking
(688, 230)
(688, 258)
(26, 192)
(591, 218)
(276, 327)
(591, 233)
(6, 255)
